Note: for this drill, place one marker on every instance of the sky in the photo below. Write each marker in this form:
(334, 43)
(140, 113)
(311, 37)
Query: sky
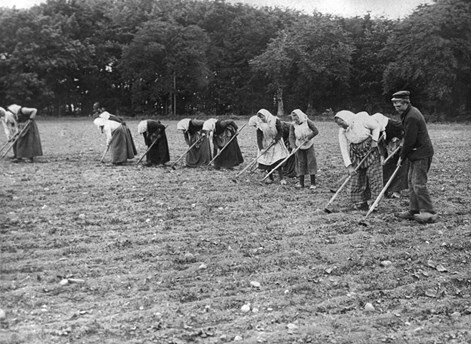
(347, 8)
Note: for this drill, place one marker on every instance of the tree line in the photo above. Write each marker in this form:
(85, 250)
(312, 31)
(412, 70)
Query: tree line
(189, 57)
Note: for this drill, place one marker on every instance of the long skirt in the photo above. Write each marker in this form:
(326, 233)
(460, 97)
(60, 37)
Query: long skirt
(29, 143)
(200, 154)
(231, 156)
(159, 153)
(399, 182)
(289, 167)
(307, 163)
(122, 145)
(368, 181)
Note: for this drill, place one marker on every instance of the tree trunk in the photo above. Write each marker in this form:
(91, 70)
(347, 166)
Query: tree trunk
(279, 100)
(174, 94)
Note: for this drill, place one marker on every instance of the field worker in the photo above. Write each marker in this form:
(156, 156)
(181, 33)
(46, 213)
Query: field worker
(155, 136)
(9, 124)
(358, 137)
(270, 130)
(392, 133)
(118, 138)
(302, 133)
(28, 144)
(223, 131)
(418, 149)
(192, 130)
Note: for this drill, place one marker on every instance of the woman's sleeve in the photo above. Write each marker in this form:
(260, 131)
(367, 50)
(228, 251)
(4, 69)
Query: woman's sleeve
(279, 130)
(30, 111)
(109, 134)
(292, 137)
(313, 127)
(344, 148)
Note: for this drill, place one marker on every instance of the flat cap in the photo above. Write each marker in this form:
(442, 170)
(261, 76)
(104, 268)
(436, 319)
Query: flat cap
(401, 95)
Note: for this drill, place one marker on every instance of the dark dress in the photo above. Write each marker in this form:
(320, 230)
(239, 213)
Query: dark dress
(200, 154)
(394, 129)
(28, 144)
(289, 167)
(159, 153)
(231, 156)
(122, 144)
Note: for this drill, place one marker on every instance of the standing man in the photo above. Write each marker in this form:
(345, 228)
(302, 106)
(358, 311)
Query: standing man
(418, 149)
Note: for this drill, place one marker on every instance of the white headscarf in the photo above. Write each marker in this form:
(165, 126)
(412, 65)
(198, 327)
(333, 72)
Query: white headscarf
(346, 116)
(142, 127)
(254, 121)
(210, 124)
(381, 119)
(301, 115)
(268, 116)
(14, 108)
(99, 122)
(302, 130)
(269, 127)
(184, 124)
(360, 126)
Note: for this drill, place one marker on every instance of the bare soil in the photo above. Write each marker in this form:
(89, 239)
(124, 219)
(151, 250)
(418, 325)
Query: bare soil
(96, 253)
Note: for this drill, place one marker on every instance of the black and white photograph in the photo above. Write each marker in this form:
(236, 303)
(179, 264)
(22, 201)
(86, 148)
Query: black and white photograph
(235, 171)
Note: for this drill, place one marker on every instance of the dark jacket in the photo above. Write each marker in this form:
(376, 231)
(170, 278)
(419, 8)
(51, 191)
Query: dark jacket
(417, 143)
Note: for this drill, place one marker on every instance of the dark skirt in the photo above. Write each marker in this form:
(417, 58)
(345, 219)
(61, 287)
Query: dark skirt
(289, 167)
(268, 168)
(231, 156)
(29, 143)
(159, 153)
(200, 154)
(399, 182)
(122, 145)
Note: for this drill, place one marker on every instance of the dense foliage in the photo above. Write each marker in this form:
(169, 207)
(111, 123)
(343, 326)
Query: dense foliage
(184, 57)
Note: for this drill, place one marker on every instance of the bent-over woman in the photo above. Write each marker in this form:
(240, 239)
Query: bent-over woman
(270, 130)
(9, 124)
(155, 136)
(223, 131)
(119, 140)
(192, 130)
(28, 144)
(358, 138)
(302, 133)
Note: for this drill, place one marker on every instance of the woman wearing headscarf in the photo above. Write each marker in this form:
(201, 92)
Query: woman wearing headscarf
(223, 131)
(28, 144)
(9, 124)
(119, 140)
(302, 133)
(358, 138)
(393, 132)
(270, 130)
(155, 136)
(192, 130)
